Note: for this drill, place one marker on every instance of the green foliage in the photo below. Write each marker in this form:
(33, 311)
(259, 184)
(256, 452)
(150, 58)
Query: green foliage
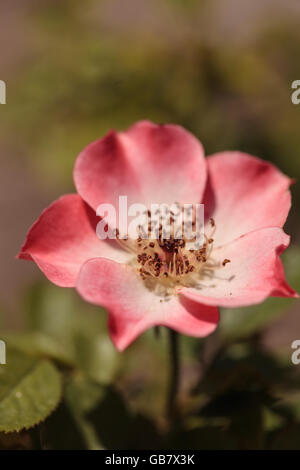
(56, 319)
(30, 390)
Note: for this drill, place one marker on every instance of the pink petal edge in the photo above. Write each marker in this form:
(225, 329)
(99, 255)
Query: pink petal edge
(133, 308)
(63, 238)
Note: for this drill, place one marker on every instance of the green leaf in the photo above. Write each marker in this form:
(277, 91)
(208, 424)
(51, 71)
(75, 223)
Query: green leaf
(71, 331)
(103, 417)
(114, 409)
(30, 390)
(97, 357)
(240, 322)
(82, 396)
(38, 344)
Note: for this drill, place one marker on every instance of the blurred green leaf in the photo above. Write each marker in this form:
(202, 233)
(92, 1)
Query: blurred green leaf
(103, 418)
(81, 396)
(272, 421)
(113, 419)
(37, 344)
(76, 331)
(97, 357)
(30, 390)
(68, 427)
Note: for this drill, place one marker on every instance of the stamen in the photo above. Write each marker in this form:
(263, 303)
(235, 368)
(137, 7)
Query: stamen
(167, 262)
(226, 261)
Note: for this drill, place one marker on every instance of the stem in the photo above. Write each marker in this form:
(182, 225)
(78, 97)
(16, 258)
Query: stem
(172, 409)
(156, 332)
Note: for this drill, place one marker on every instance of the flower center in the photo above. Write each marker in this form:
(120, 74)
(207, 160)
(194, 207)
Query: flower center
(166, 263)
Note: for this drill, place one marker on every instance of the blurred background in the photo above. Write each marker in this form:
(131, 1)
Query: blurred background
(221, 68)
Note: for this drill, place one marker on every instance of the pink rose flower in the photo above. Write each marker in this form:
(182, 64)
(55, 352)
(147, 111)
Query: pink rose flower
(246, 203)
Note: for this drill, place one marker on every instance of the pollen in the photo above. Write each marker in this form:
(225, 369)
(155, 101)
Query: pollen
(226, 261)
(167, 262)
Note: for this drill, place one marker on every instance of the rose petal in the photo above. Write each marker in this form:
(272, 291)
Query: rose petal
(133, 308)
(149, 163)
(254, 273)
(244, 194)
(64, 237)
